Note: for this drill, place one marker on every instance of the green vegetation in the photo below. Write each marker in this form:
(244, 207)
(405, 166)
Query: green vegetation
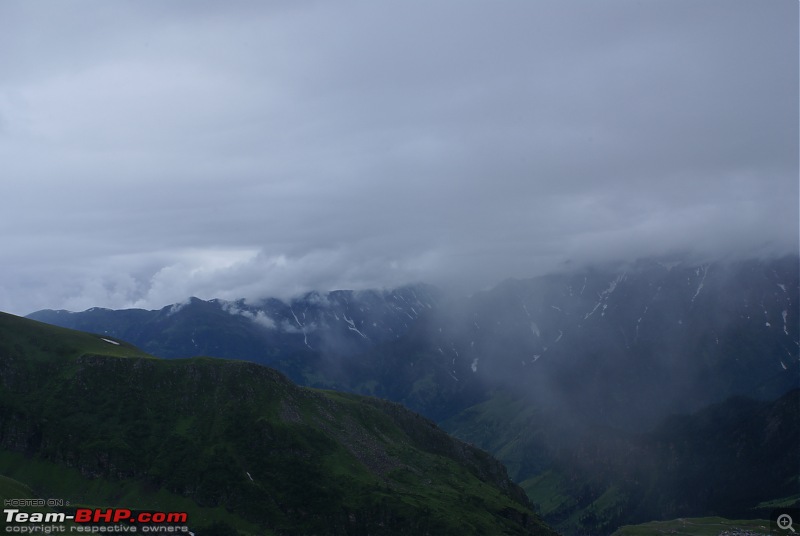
(10, 488)
(731, 459)
(54, 481)
(14, 489)
(38, 342)
(235, 444)
(700, 526)
(784, 502)
(549, 492)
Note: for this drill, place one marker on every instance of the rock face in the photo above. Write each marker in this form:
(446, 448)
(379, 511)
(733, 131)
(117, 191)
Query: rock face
(241, 437)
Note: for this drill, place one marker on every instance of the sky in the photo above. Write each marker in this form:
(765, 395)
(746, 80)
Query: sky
(151, 151)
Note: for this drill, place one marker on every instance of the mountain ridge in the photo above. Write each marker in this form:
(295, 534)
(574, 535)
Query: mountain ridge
(239, 436)
(268, 331)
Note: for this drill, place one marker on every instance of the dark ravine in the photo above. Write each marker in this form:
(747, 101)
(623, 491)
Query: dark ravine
(236, 437)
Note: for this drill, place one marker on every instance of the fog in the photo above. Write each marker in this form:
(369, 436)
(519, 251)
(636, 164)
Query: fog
(153, 152)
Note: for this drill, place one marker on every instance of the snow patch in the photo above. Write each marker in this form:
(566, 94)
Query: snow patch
(352, 326)
(592, 311)
(110, 341)
(605, 295)
(295, 317)
(474, 365)
(702, 281)
(535, 329)
(613, 285)
(302, 328)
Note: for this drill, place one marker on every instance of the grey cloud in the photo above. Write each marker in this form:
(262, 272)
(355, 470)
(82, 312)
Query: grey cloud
(152, 152)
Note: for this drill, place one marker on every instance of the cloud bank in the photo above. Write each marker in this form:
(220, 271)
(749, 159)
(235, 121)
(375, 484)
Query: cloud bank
(153, 152)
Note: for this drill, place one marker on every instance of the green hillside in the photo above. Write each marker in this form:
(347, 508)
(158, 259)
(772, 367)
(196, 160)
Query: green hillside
(736, 459)
(237, 445)
(703, 526)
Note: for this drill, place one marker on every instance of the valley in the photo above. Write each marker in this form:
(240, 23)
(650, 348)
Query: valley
(304, 268)
(614, 394)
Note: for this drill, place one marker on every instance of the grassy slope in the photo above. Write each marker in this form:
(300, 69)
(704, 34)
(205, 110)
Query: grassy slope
(104, 424)
(689, 465)
(698, 526)
(573, 495)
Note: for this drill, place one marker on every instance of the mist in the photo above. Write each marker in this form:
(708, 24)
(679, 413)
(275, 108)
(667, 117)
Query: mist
(153, 152)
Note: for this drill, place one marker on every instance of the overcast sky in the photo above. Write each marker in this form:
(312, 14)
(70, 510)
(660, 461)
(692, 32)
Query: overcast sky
(151, 151)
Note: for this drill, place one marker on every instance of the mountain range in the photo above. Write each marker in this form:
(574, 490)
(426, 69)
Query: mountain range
(292, 337)
(583, 365)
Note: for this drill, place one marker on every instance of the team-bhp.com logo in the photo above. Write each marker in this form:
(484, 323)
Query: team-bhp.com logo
(120, 515)
(95, 520)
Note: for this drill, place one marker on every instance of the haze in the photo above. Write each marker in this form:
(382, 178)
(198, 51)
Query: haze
(153, 151)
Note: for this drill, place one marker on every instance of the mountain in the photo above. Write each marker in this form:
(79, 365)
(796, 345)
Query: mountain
(565, 367)
(299, 337)
(623, 346)
(236, 445)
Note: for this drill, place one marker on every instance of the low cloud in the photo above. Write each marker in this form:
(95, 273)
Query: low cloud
(151, 152)
(259, 317)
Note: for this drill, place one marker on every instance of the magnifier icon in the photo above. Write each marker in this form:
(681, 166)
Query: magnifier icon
(785, 522)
